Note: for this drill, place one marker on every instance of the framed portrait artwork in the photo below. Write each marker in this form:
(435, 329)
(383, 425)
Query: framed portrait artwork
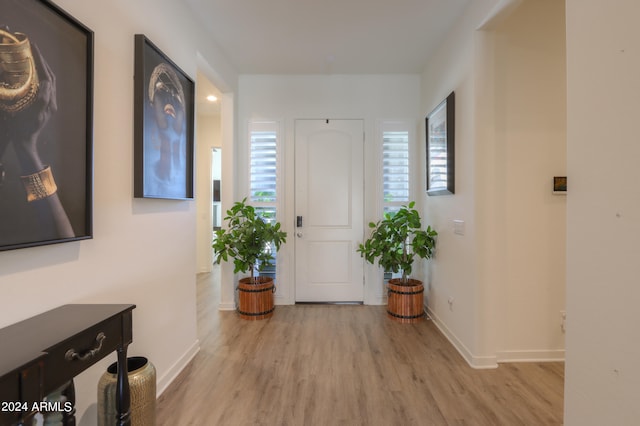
(46, 125)
(163, 125)
(440, 134)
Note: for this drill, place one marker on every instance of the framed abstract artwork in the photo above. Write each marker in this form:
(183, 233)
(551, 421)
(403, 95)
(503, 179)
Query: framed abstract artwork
(163, 125)
(440, 135)
(46, 125)
(560, 185)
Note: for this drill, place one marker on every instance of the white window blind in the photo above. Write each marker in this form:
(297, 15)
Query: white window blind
(395, 169)
(263, 182)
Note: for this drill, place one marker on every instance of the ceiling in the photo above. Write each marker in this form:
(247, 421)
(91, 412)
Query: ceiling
(327, 36)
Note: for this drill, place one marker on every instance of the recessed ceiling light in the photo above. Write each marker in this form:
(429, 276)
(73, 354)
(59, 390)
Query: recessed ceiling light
(211, 98)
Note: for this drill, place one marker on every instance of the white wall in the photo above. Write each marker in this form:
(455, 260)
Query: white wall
(498, 290)
(530, 124)
(603, 213)
(286, 98)
(453, 269)
(143, 251)
(208, 135)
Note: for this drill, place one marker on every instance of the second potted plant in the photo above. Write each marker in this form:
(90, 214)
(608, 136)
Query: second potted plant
(252, 242)
(394, 244)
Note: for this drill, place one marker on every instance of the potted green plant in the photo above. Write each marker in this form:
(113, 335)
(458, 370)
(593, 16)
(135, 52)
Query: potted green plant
(250, 241)
(394, 244)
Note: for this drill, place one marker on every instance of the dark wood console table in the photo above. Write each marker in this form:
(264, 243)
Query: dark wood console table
(44, 353)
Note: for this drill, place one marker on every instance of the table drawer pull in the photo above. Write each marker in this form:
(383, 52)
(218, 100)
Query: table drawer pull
(72, 354)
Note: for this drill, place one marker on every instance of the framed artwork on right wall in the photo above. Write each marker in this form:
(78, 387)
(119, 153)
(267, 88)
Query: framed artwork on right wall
(440, 135)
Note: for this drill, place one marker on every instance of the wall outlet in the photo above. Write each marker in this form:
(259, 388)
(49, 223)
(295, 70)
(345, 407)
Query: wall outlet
(563, 320)
(450, 301)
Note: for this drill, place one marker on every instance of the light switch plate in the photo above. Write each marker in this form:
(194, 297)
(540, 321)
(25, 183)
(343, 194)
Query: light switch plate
(458, 227)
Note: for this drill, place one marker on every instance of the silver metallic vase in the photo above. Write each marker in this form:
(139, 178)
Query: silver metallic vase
(142, 383)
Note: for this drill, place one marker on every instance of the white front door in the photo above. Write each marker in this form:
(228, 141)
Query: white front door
(329, 183)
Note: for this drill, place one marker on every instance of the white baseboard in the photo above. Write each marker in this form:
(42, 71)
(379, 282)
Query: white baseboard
(477, 362)
(501, 357)
(227, 307)
(532, 356)
(164, 382)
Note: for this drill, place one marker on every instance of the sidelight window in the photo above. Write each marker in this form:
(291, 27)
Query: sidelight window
(396, 182)
(395, 168)
(263, 177)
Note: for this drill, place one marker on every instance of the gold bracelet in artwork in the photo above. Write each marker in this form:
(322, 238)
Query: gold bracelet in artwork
(39, 185)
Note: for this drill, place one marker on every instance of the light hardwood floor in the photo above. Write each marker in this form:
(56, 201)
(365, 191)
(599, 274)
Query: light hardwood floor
(346, 365)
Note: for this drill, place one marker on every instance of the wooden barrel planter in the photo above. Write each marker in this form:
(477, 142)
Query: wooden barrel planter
(405, 303)
(255, 301)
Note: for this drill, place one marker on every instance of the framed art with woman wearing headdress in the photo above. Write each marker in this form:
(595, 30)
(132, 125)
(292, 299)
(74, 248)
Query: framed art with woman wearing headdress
(164, 129)
(46, 125)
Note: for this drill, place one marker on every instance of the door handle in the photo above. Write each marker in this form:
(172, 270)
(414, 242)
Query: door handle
(299, 235)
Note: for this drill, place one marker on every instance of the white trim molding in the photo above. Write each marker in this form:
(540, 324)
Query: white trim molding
(557, 355)
(227, 307)
(477, 362)
(176, 368)
(483, 362)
